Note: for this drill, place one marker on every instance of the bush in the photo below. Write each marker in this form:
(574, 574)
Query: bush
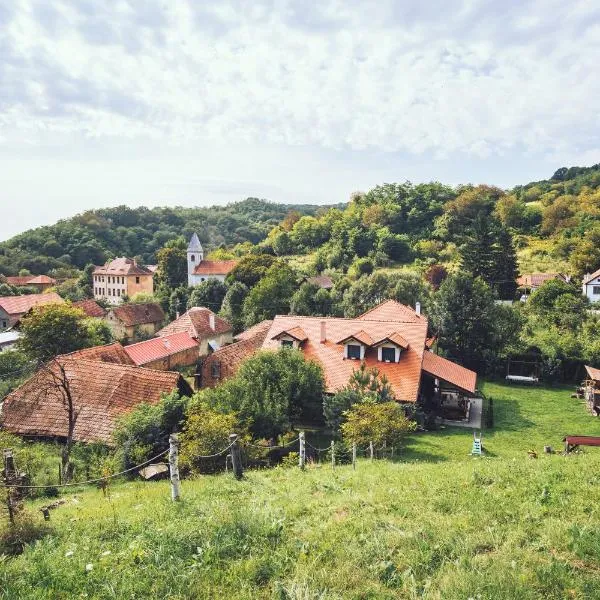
(144, 432)
(206, 432)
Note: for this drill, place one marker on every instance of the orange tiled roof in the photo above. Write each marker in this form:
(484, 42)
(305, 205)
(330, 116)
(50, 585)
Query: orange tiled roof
(404, 376)
(448, 371)
(91, 308)
(360, 336)
(113, 353)
(31, 280)
(19, 305)
(593, 373)
(145, 352)
(122, 266)
(258, 329)
(536, 279)
(139, 314)
(215, 267)
(196, 321)
(395, 338)
(102, 392)
(390, 310)
(296, 332)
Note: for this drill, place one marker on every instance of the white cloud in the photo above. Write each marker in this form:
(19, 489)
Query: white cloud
(416, 77)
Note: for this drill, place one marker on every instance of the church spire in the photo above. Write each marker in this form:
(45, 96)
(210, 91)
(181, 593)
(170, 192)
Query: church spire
(195, 245)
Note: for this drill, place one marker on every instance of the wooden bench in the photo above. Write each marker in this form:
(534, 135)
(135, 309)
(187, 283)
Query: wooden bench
(572, 441)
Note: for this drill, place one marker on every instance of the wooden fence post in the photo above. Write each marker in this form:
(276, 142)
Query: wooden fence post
(354, 456)
(371, 451)
(302, 458)
(174, 466)
(236, 459)
(9, 477)
(332, 454)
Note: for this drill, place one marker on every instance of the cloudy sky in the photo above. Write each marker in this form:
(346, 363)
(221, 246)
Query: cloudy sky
(194, 103)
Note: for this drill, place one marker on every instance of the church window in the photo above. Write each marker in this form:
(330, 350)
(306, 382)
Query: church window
(192, 258)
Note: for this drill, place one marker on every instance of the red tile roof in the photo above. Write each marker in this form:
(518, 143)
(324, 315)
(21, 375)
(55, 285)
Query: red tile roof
(145, 352)
(122, 266)
(229, 358)
(196, 321)
(593, 373)
(215, 267)
(395, 338)
(448, 371)
(91, 308)
(258, 329)
(295, 332)
(139, 314)
(360, 336)
(102, 392)
(390, 310)
(30, 280)
(390, 319)
(19, 305)
(537, 279)
(112, 353)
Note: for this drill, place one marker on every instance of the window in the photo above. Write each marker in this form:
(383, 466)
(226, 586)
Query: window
(596, 290)
(216, 370)
(4, 324)
(137, 279)
(192, 258)
(118, 292)
(353, 351)
(109, 291)
(287, 344)
(388, 354)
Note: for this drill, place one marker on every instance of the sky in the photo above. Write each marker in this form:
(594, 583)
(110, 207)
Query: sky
(184, 102)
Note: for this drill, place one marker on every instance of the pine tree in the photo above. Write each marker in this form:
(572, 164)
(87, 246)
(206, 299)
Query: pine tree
(506, 266)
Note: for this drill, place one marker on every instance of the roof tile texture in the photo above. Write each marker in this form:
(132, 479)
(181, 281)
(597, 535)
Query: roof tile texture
(102, 391)
(215, 267)
(139, 314)
(196, 321)
(449, 371)
(122, 266)
(18, 305)
(161, 347)
(91, 308)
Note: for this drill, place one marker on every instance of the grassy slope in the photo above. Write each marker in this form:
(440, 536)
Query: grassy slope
(452, 527)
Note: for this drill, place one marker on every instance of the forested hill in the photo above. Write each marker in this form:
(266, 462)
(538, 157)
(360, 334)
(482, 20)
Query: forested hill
(95, 235)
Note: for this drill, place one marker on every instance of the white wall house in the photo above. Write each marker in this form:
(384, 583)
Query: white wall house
(200, 270)
(591, 286)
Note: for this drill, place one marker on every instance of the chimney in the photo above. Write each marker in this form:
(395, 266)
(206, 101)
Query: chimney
(211, 320)
(323, 331)
(418, 308)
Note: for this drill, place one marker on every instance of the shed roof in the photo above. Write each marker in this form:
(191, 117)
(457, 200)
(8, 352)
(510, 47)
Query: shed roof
(19, 305)
(196, 321)
(593, 373)
(148, 351)
(449, 371)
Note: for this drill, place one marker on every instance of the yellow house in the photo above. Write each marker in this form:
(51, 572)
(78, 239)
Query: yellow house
(121, 277)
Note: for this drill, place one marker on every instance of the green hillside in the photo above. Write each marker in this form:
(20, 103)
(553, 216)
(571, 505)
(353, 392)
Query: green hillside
(434, 524)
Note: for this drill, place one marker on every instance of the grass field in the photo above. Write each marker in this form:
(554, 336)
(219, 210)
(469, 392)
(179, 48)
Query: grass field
(434, 524)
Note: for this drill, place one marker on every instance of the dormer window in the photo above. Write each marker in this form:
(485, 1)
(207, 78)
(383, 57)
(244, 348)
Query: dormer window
(353, 351)
(291, 338)
(287, 343)
(388, 354)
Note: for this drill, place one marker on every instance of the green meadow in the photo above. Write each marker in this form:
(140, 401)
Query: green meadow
(433, 523)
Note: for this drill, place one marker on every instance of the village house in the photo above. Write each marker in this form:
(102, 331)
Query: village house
(224, 362)
(12, 308)
(121, 277)
(591, 286)
(166, 352)
(200, 270)
(391, 337)
(101, 393)
(132, 322)
(91, 309)
(38, 282)
(530, 282)
(591, 390)
(208, 329)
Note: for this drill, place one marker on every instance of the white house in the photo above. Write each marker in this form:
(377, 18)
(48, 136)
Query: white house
(200, 270)
(591, 286)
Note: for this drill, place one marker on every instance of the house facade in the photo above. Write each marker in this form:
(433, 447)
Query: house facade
(121, 277)
(133, 322)
(12, 308)
(391, 337)
(200, 270)
(530, 282)
(591, 286)
(210, 331)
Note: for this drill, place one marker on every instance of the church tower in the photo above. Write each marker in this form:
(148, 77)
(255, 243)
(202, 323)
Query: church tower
(195, 255)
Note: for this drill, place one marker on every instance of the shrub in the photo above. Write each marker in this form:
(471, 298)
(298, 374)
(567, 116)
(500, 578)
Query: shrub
(383, 423)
